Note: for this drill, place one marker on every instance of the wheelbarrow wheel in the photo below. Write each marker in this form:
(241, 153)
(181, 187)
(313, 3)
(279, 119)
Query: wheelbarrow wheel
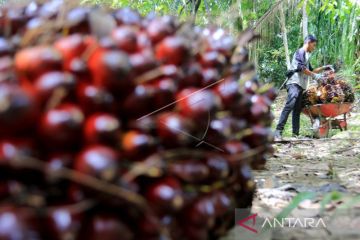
(320, 129)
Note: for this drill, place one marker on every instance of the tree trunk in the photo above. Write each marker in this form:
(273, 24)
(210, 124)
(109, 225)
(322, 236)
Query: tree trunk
(284, 36)
(305, 19)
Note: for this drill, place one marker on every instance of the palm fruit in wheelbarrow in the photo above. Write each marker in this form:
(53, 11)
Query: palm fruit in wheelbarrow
(119, 126)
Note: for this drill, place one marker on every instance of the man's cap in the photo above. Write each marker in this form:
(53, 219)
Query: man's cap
(310, 38)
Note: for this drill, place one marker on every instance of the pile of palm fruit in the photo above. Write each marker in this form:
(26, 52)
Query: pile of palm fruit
(331, 89)
(115, 125)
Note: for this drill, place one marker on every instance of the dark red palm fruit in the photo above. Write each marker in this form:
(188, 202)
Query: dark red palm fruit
(165, 195)
(201, 212)
(61, 126)
(137, 145)
(159, 28)
(218, 166)
(77, 20)
(196, 103)
(31, 63)
(219, 40)
(241, 107)
(260, 108)
(80, 70)
(146, 125)
(271, 94)
(51, 83)
(172, 50)
(14, 147)
(250, 86)
(6, 47)
(236, 149)
(229, 91)
(7, 73)
(98, 161)
(111, 70)
(127, 16)
(222, 202)
(164, 91)
(212, 59)
(195, 233)
(139, 102)
(35, 23)
(18, 112)
(149, 227)
(92, 99)
(193, 76)
(143, 41)
(125, 38)
(64, 222)
(258, 136)
(210, 76)
(103, 226)
(190, 171)
(19, 223)
(72, 46)
(102, 128)
(142, 62)
(174, 130)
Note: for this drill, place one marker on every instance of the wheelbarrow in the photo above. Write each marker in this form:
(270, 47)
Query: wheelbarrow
(325, 117)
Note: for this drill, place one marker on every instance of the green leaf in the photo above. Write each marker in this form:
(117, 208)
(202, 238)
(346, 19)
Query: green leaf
(333, 196)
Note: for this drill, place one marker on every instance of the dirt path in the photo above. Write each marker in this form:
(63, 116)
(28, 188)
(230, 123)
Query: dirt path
(325, 167)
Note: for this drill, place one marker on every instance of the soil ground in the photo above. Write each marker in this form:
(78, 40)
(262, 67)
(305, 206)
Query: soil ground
(330, 168)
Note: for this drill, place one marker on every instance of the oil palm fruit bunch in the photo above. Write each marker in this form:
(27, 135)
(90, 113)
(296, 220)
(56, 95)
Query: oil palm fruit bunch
(330, 90)
(121, 126)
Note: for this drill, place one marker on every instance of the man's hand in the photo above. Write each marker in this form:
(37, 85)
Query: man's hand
(317, 77)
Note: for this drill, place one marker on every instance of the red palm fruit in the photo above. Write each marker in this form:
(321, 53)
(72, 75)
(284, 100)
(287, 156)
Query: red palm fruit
(111, 70)
(143, 41)
(159, 28)
(77, 20)
(260, 107)
(229, 91)
(61, 126)
(6, 47)
(222, 202)
(72, 46)
(218, 166)
(13, 17)
(102, 128)
(127, 16)
(139, 103)
(64, 222)
(98, 161)
(137, 145)
(237, 149)
(149, 227)
(197, 103)
(190, 171)
(271, 94)
(210, 76)
(47, 84)
(125, 38)
(19, 223)
(241, 107)
(174, 130)
(12, 148)
(18, 110)
(93, 99)
(165, 195)
(195, 233)
(172, 50)
(193, 76)
(143, 61)
(212, 59)
(163, 94)
(107, 226)
(80, 70)
(259, 136)
(30, 63)
(59, 160)
(201, 212)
